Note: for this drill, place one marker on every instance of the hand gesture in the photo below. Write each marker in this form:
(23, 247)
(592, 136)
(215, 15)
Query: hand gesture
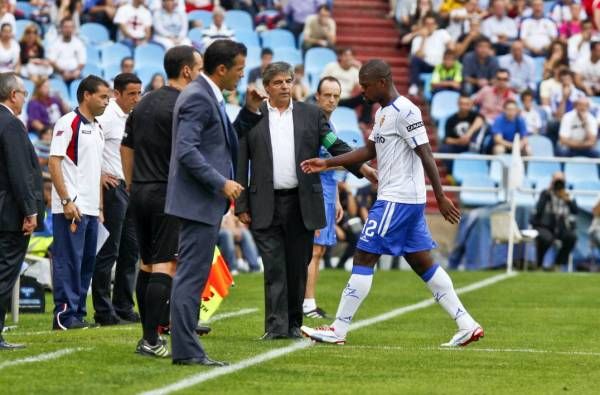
(231, 189)
(245, 218)
(109, 181)
(314, 165)
(254, 99)
(29, 225)
(71, 211)
(447, 209)
(339, 212)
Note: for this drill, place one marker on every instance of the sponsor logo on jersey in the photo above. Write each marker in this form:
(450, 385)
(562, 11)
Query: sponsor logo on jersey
(414, 126)
(379, 139)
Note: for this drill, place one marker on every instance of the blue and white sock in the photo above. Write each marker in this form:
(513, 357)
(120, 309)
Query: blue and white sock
(440, 285)
(356, 291)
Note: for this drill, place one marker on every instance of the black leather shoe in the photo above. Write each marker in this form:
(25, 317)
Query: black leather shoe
(273, 336)
(202, 330)
(4, 345)
(205, 361)
(130, 316)
(295, 333)
(109, 321)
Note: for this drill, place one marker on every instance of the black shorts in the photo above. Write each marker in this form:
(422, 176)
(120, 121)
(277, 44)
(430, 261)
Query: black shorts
(157, 232)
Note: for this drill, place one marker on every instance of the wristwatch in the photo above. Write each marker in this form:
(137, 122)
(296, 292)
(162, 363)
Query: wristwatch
(66, 201)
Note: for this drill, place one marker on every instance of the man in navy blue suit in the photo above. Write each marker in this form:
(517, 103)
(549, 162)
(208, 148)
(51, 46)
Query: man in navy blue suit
(201, 186)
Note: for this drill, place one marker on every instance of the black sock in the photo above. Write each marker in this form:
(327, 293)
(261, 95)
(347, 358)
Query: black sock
(141, 287)
(157, 297)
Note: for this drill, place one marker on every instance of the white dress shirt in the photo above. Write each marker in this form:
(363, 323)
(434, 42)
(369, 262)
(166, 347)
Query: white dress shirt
(112, 122)
(215, 88)
(281, 128)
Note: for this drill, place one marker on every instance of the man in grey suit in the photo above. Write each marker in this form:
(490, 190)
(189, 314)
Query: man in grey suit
(201, 185)
(283, 205)
(21, 202)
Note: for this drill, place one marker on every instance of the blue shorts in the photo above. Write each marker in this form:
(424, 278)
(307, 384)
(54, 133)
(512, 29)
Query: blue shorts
(327, 235)
(395, 229)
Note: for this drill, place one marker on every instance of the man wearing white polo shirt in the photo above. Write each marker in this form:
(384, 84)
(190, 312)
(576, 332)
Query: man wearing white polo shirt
(121, 246)
(67, 55)
(75, 166)
(538, 31)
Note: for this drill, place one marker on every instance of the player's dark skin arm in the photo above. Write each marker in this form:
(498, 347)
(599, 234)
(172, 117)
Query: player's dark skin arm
(360, 155)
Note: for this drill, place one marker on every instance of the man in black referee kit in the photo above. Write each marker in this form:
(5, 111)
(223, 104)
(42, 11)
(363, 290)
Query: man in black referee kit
(145, 153)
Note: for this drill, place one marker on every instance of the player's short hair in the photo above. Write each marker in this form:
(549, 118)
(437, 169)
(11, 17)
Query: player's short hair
(122, 80)
(89, 84)
(178, 57)
(330, 79)
(274, 69)
(376, 69)
(222, 52)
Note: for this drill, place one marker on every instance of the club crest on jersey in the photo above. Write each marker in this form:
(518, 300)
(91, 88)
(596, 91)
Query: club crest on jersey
(382, 121)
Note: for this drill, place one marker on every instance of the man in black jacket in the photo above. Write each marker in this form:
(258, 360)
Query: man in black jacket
(21, 202)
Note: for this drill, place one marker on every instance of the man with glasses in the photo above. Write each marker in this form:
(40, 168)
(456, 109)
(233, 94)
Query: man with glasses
(22, 205)
(491, 98)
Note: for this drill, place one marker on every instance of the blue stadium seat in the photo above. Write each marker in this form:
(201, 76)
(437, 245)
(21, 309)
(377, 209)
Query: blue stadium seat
(595, 100)
(114, 53)
(147, 71)
(344, 118)
(470, 198)
(444, 104)
(195, 35)
(575, 172)
(29, 86)
(351, 137)
(315, 59)
(539, 68)
(277, 38)
(247, 37)
(313, 81)
(253, 57)
(200, 15)
(58, 86)
(300, 39)
(540, 145)
(238, 20)
(73, 92)
(232, 111)
(497, 167)
(540, 173)
(467, 169)
(94, 33)
(426, 79)
(92, 55)
(26, 8)
(91, 68)
(111, 71)
(146, 54)
(586, 202)
(292, 56)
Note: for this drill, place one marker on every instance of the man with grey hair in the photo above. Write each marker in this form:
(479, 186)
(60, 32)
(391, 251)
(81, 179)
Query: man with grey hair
(22, 206)
(282, 205)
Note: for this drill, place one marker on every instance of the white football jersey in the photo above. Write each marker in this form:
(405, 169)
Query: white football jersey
(397, 131)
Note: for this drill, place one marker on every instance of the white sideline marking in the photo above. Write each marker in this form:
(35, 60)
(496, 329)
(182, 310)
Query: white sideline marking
(39, 358)
(473, 349)
(231, 314)
(302, 344)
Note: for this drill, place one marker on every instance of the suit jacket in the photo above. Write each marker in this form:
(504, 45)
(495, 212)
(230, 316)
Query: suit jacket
(203, 155)
(21, 192)
(258, 198)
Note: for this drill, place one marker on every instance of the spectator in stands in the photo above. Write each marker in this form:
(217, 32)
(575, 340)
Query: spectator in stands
(42, 150)
(297, 11)
(479, 66)
(573, 26)
(587, 71)
(462, 130)
(135, 23)
(448, 74)
(578, 131)
(548, 86)
(592, 8)
(520, 66)
(157, 82)
(33, 63)
(506, 126)
(427, 50)
(233, 233)
(491, 98)
(562, 11)
(9, 50)
(579, 44)
(67, 54)
(44, 109)
(345, 70)
(538, 32)
(459, 18)
(319, 29)
(557, 56)
(255, 75)
(6, 16)
(563, 98)
(553, 218)
(500, 28)
(70, 9)
(410, 15)
(102, 12)
(519, 10)
(466, 42)
(300, 89)
(531, 113)
(127, 65)
(192, 5)
(170, 25)
(217, 30)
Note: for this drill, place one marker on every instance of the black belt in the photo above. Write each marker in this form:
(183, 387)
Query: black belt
(286, 192)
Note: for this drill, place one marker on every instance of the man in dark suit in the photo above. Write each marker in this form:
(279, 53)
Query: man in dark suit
(21, 202)
(283, 205)
(201, 185)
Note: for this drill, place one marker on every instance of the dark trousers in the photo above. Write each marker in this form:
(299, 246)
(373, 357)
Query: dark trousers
(286, 249)
(418, 66)
(545, 240)
(196, 248)
(120, 247)
(359, 101)
(74, 255)
(13, 246)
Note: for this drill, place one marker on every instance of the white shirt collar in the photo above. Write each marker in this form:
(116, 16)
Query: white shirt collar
(118, 108)
(216, 90)
(8, 108)
(271, 108)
